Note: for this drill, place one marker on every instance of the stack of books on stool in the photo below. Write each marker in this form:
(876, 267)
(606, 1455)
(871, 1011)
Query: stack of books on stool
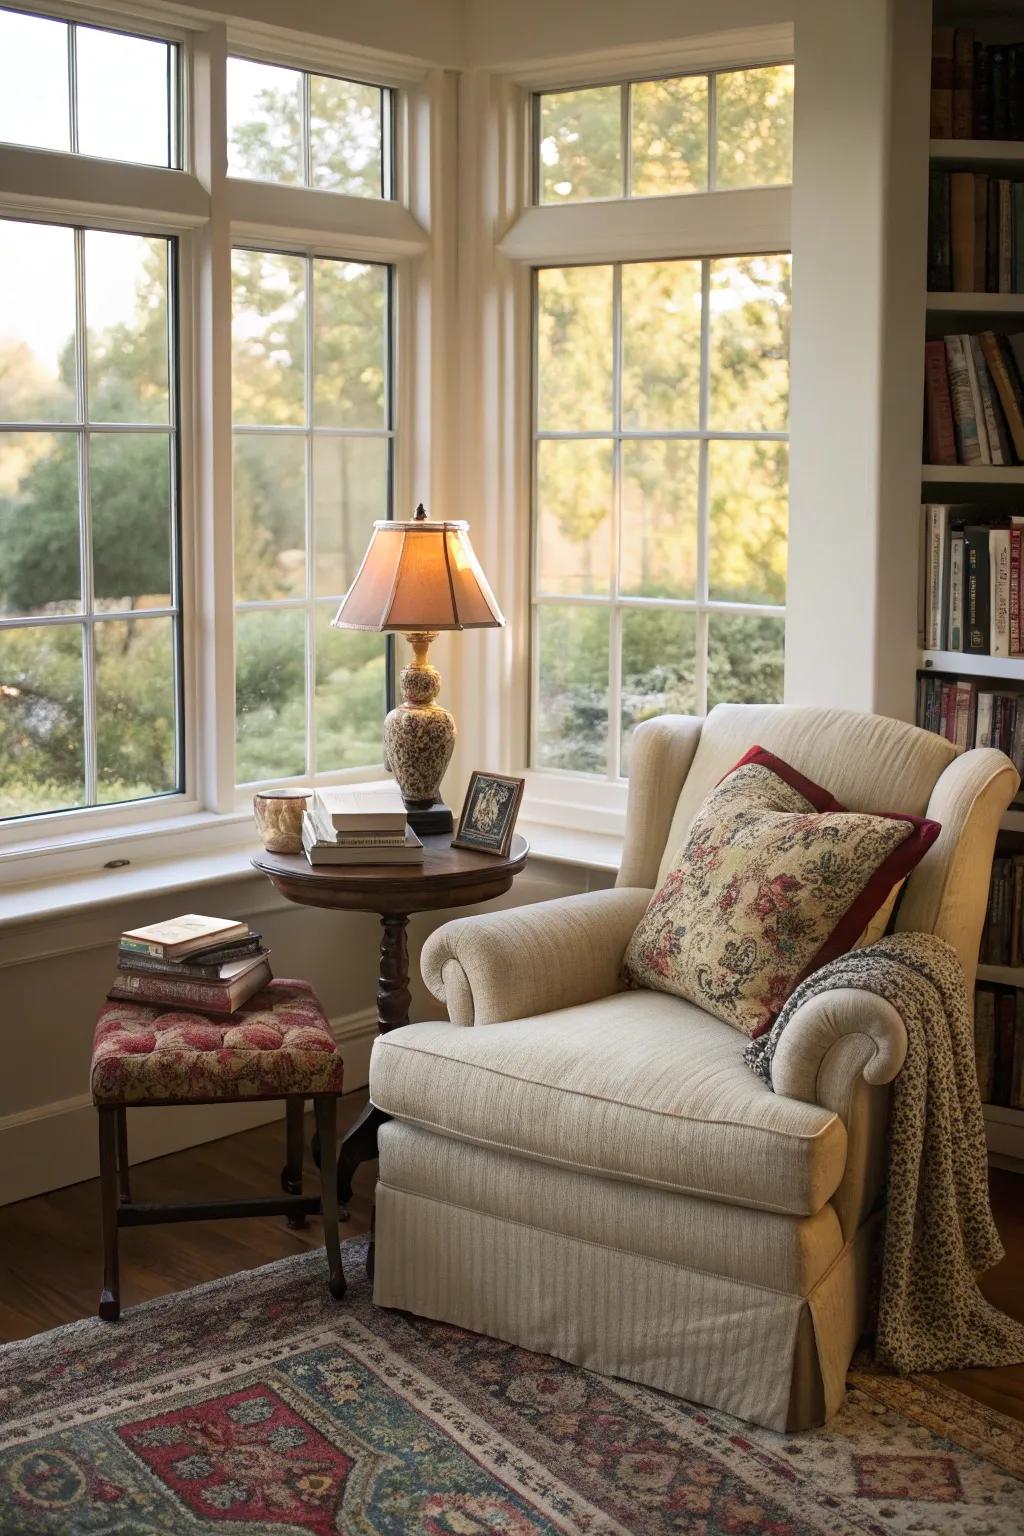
(351, 826)
(199, 964)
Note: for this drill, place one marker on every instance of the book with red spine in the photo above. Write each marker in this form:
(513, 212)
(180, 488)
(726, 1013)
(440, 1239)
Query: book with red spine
(941, 116)
(201, 996)
(939, 413)
(1015, 615)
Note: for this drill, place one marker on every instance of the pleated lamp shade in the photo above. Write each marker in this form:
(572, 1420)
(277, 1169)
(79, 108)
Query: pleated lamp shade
(419, 576)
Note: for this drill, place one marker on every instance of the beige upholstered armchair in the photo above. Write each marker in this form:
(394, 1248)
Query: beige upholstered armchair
(596, 1174)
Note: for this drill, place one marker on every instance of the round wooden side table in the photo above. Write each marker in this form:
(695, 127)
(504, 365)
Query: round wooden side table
(448, 877)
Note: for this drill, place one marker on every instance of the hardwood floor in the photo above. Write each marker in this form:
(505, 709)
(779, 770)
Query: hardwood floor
(50, 1256)
(50, 1245)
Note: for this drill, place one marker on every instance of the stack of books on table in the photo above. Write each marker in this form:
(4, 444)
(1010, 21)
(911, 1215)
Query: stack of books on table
(351, 826)
(202, 964)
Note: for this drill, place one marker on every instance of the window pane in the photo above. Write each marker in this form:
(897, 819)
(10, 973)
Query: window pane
(268, 332)
(659, 668)
(754, 120)
(130, 498)
(748, 516)
(37, 322)
(346, 148)
(669, 127)
(750, 307)
(34, 92)
(42, 759)
(350, 344)
(270, 693)
(135, 709)
(581, 144)
(264, 122)
(350, 491)
(270, 516)
(661, 311)
(745, 659)
(350, 695)
(574, 349)
(124, 96)
(40, 567)
(574, 512)
(658, 538)
(572, 708)
(126, 344)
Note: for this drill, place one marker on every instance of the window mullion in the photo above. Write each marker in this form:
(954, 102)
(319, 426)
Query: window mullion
(311, 766)
(85, 527)
(712, 132)
(626, 109)
(614, 622)
(307, 147)
(73, 87)
(703, 511)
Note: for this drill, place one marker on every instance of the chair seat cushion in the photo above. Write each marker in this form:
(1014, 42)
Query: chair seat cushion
(640, 1086)
(278, 1043)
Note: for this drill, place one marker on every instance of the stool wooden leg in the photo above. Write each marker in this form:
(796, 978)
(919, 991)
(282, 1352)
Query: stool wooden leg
(291, 1174)
(124, 1187)
(326, 1108)
(110, 1296)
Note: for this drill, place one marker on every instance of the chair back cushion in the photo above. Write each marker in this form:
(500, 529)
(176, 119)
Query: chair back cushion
(775, 879)
(869, 763)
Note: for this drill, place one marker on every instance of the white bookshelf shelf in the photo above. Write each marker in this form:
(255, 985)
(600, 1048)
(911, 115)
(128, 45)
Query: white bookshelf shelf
(976, 151)
(1004, 1132)
(976, 303)
(972, 474)
(966, 664)
(1004, 975)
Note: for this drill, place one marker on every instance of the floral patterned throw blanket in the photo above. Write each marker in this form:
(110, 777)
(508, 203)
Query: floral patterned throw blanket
(939, 1228)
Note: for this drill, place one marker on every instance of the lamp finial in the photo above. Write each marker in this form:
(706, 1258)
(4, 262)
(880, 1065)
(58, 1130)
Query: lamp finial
(421, 514)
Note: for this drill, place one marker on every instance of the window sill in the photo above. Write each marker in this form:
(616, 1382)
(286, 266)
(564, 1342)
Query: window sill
(64, 895)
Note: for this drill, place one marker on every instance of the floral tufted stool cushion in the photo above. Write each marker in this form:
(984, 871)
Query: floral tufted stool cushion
(278, 1044)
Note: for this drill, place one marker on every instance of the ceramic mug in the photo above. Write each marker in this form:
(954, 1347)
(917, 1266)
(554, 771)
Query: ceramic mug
(278, 815)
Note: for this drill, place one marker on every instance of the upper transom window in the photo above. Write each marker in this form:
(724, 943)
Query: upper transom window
(306, 130)
(88, 90)
(653, 138)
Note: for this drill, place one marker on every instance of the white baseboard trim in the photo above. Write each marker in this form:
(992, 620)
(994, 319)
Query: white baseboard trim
(52, 1145)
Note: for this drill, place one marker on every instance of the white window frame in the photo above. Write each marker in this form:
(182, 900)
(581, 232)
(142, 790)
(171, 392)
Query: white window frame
(499, 303)
(209, 213)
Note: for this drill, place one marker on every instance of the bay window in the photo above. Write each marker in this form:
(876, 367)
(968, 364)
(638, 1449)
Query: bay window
(660, 416)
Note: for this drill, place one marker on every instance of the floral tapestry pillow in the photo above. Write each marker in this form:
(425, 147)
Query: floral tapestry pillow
(775, 879)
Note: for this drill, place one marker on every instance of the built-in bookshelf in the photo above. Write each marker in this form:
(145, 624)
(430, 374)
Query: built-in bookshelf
(990, 492)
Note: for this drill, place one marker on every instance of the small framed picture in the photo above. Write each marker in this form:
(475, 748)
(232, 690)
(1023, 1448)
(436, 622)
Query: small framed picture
(489, 813)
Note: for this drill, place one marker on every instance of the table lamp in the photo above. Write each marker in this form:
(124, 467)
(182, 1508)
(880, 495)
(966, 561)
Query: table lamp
(418, 578)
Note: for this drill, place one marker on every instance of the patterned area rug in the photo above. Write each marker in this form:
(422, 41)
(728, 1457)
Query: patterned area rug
(257, 1405)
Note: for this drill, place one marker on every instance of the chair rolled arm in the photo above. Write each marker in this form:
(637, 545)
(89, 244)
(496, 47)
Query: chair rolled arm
(832, 1040)
(524, 960)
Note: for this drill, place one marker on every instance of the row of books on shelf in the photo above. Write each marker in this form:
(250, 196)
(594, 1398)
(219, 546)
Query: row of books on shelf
(977, 88)
(999, 1044)
(972, 591)
(346, 826)
(974, 399)
(975, 233)
(972, 716)
(1002, 939)
(204, 964)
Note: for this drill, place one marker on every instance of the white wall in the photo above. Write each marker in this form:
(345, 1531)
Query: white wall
(54, 976)
(859, 193)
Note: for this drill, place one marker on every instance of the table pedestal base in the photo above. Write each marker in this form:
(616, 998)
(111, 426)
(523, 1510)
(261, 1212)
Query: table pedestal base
(393, 999)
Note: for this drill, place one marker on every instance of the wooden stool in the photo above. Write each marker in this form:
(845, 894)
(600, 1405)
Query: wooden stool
(277, 1046)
